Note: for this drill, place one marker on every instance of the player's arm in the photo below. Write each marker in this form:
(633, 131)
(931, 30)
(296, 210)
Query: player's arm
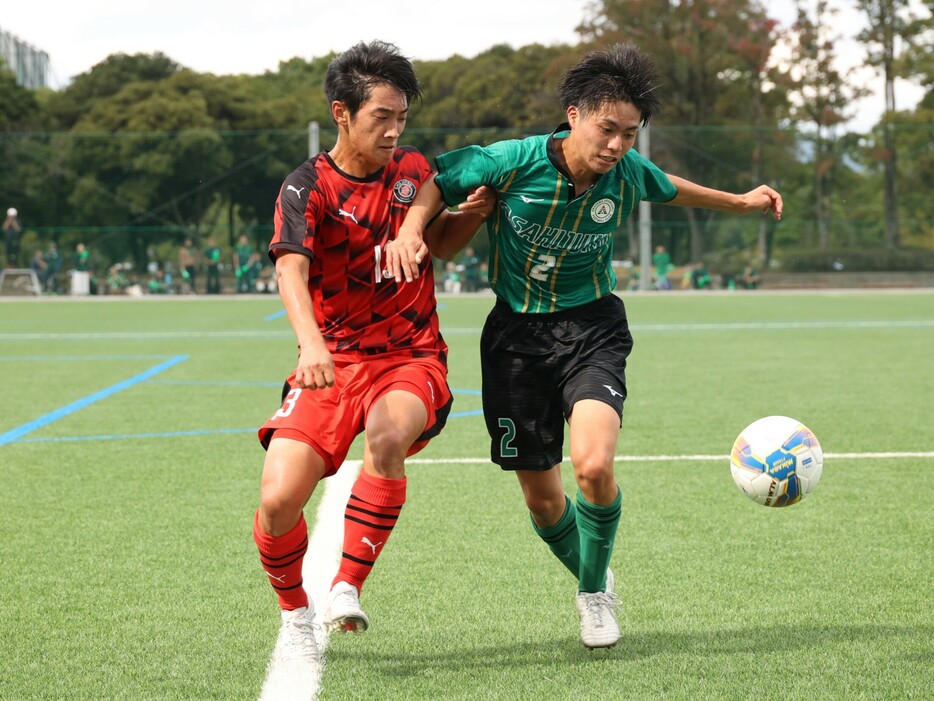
(406, 252)
(315, 369)
(452, 231)
(762, 199)
(429, 223)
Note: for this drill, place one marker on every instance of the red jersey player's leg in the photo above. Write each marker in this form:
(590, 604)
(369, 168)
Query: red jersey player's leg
(411, 404)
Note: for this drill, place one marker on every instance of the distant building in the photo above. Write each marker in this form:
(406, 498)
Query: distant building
(28, 64)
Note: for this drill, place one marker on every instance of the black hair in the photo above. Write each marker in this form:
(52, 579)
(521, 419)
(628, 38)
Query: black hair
(620, 73)
(352, 75)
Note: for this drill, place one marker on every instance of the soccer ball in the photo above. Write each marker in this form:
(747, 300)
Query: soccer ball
(776, 461)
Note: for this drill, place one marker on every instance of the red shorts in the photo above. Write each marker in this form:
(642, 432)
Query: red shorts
(330, 419)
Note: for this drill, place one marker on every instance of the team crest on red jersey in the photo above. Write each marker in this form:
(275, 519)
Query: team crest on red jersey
(404, 190)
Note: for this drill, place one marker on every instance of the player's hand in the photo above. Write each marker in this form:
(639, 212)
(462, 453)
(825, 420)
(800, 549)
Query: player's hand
(404, 254)
(315, 369)
(764, 199)
(481, 201)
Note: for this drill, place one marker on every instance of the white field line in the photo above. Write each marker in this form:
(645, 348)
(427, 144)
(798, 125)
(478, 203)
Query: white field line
(302, 682)
(684, 458)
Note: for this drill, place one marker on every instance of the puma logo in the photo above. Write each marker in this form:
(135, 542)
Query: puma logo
(350, 214)
(281, 579)
(370, 543)
(297, 191)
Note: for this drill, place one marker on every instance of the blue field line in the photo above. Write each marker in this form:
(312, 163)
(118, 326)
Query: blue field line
(20, 431)
(128, 436)
(56, 358)
(462, 414)
(218, 383)
(274, 315)
(177, 434)
(258, 383)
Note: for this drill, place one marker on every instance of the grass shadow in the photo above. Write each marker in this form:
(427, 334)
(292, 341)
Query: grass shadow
(632, 647)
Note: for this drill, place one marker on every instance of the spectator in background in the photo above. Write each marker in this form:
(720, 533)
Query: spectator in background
(750, 277)
(11, 235)
(471, 263)
(661, 261)
(452, 278)
(243, 259)
(53, 261)
(81, 271)
(635, 279)
(686, 282)
(39, 267)
(159, 282)
(188, 263)
(700, 277)
(212, 267)
(117, 282)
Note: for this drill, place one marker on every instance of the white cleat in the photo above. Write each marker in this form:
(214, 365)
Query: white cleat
(296, 664)
(598, 619)
(297, 636)
(344, 614)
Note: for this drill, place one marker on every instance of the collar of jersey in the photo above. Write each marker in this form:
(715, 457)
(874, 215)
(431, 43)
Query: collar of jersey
(375, 175)
(562, 131)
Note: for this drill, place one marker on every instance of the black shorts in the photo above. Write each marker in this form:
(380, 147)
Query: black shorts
(537, 366)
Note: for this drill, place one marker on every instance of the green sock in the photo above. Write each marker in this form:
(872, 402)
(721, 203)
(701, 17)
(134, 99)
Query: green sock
(597, 527)
(562, 538)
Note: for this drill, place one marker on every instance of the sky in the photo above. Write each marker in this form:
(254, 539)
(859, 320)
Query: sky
(241, 36)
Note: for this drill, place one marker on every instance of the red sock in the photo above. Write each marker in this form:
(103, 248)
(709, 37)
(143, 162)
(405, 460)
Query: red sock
(281, 557)
(372, 511)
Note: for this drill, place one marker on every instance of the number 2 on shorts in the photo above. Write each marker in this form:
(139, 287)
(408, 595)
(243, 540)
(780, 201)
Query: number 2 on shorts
(506, 448)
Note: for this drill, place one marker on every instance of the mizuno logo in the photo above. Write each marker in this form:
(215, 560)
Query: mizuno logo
(530, 200)
(281, 579)
(349, 215)
(297, 191)
(613, 392)
(370, 543)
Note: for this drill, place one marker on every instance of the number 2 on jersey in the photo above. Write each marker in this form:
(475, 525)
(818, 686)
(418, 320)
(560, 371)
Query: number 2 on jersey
(543, 269)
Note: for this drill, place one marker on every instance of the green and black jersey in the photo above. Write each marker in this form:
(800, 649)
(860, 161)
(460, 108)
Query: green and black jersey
(550, 248)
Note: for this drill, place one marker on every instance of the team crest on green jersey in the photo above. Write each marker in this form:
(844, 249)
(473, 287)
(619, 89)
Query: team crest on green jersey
(602, 211)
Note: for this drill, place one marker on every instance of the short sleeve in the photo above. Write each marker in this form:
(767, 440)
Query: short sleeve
(654, 185)
(464, 169)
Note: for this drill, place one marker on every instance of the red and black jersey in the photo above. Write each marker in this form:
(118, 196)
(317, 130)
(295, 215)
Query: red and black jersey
(343, 224)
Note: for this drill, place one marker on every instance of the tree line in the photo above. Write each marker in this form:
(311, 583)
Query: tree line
(140, 152)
